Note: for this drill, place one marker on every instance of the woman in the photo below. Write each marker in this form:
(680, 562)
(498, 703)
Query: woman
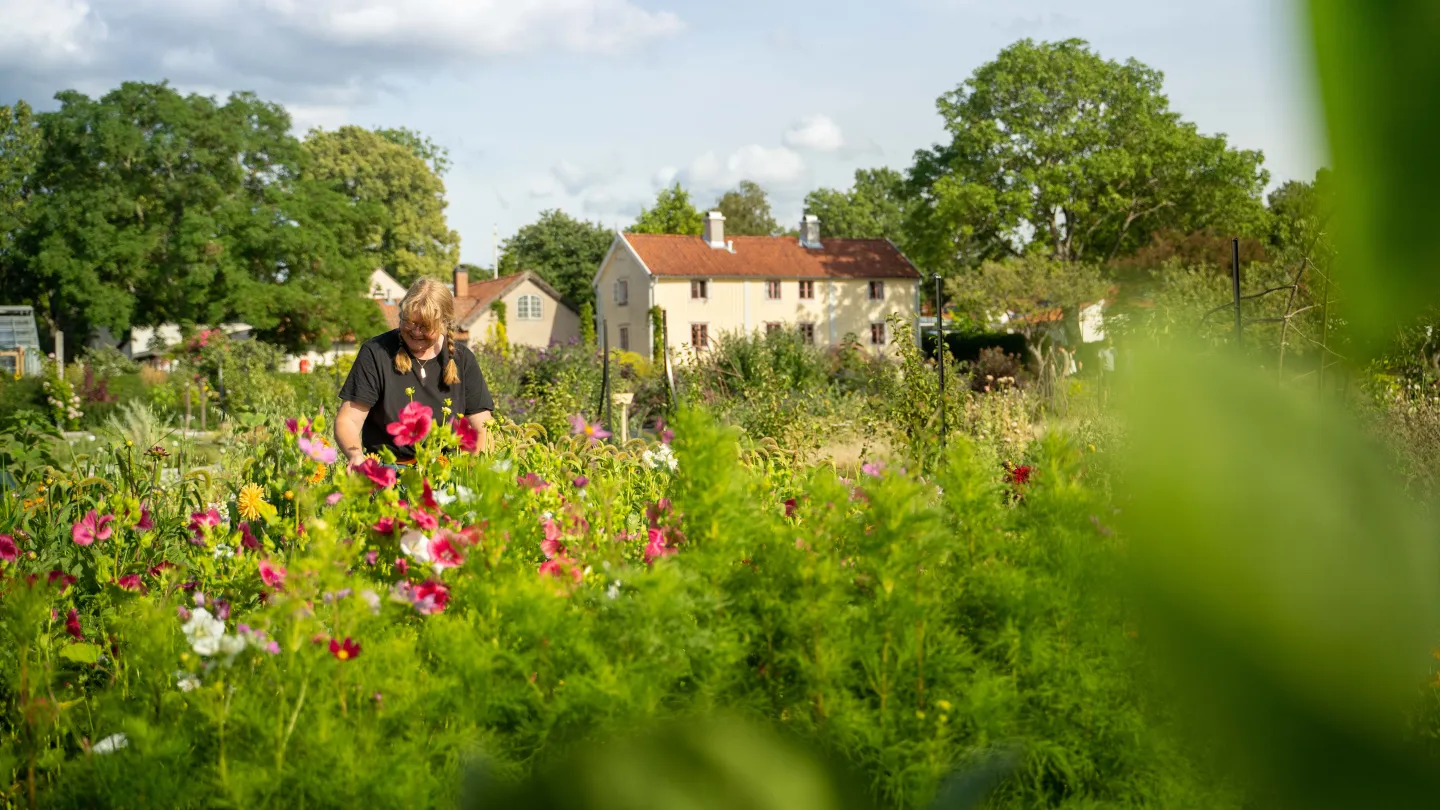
(417, 356)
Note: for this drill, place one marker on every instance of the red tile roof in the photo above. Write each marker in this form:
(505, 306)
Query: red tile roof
(479, 295)
(771, 257)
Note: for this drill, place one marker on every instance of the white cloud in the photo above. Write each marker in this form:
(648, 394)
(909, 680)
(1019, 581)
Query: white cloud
(316, 49)
(664, 177)
(816, 132)
(768, 166)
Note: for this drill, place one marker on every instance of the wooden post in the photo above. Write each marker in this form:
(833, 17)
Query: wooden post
(624, 400)
(204, 402)
(187, 406)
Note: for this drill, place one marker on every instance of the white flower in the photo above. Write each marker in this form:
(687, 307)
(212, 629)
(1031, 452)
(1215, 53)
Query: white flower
(466, 495)
(613, 592)
(444, 498)
(110, 744)
(204, 632)
(231, 646)
(186, 681)
(662, 456)
(90, 437)
(503, 465)
(222, 550)
(416, 546)
(372, 599)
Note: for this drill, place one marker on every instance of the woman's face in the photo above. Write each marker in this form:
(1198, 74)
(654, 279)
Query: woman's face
(418, 339)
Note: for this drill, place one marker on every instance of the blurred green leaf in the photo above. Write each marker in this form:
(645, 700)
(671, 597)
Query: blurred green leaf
(81, 653)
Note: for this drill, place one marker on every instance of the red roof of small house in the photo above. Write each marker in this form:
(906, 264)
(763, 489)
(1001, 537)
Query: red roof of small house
(479, 295)
(771, 257)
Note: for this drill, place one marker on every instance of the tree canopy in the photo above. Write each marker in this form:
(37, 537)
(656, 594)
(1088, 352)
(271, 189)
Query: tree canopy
(673, 213)
(413, 238)
(747, 211)
(873, 208)
(563, 250)
(1051, 145)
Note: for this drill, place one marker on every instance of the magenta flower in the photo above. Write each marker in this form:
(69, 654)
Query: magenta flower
(402, 566)
(381, 476)
(427, 496)
(131, 582)
(271, 574)
(65, 579)
(443, 554)
(424, 520)
(92, 527)
(657, 547)
(8, 550)
(592, 432)
(532, 481)
(385, 525)
(551, 545)
(467, 434)
(145, 524)
(790, 507)
(414, 424)
(294, 426)
(317, 449)
(581, 481)
(371, 556)
(72, 625)
(346, 650)
(247, 538)
(430, 597)
(666, 434)
(874, 469)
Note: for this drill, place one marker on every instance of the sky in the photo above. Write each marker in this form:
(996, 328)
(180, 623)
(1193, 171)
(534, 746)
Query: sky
(591, 106)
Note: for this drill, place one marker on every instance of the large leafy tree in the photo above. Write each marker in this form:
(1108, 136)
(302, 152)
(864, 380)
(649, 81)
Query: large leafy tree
(413, 240)
(435, 156)
(152, 207)
(873, 208)
(1053, 146)
(20, 148)
(672, 213)
(563, 250)
(747, 211)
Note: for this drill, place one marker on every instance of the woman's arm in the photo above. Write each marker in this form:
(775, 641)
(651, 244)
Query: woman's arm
(477, 421)
(348, 423)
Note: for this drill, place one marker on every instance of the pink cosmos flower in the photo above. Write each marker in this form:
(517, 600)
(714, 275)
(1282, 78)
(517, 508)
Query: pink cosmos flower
(72, 625)
(345, 650)
(532, 481)
(414, 424)
(317, 449)
(8, 550)
(467, 434)
(381, 476)
(92, 527)
(271, 574)
(65, 579)
(131, 582)
(145, 524)
(424, 520)
(333, 498)
(443, 554)
(592, 432)
(551, 545)
(430, 597)
(294, 426)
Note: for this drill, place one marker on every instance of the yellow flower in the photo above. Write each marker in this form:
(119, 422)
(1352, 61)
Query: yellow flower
(289, 495)
(319, 474)
(249, 500)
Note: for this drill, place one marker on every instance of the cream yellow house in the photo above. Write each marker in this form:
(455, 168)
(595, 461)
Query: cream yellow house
(535, 313)
(708, 286)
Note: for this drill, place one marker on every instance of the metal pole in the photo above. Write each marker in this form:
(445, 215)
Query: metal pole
(605, 374)
(1235, 279)
(941, 349)
(187, 408)
(204, 403)
(665, 346)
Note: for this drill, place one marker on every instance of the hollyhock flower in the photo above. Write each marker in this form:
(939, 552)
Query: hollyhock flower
(72, 625)
(430, 597)
(65, 580)
(385, 525)
(467, 434)
(532, 481)
(424, 520)
(8, 550)
(551, 545)
(317, 449)
(145, 523)
(381, 476)
(1021, 475)
(414, 424)
(131, 582)
(445, 554)
(271, 574)
(92, 527)
(592, 432)
(344, 651)
(248, 539)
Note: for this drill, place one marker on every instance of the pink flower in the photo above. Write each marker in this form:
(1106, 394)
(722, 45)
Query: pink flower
(159, 568)
(414, 424)
(271, 574)
(385, 525)
(131, 582)
(427, 496)
(790, 508)
(592, 432)
(443, 554)
(381, 476)
(247, 539)
(559, 567)
(294, 426)
(333, 498)
(666, 434)
(145, 524)
(200, 521)
(92, 527)
(371, 556)
(467, 434)
(551, 545)
(581, 481)
(317, 450)
(874, 469)
(346, 650)
(430, 597)
(402, 565)
(657, 547)
(424, 520)
(532, 481)
(8, 550)
(72, 625)
(65, 579)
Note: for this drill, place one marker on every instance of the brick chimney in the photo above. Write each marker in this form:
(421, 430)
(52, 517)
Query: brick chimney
(810, 231)
(462, 283)
(714, 232)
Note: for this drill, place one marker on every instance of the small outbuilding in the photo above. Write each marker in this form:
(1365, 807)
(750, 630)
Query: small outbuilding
(20, 354)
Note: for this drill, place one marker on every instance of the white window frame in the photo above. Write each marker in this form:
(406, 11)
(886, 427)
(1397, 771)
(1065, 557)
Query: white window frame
(801, 291)
(528, 307)
(876, 290)
(704, 289)
(773, 285)
(622, 292)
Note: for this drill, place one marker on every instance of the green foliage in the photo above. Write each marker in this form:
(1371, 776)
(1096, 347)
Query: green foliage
(435, 156)
(563, 250)
(875, 207)
(747, 211)
(108, 361)
(587, 326)
(20, 148)
(673, 213)
(1030, 287)
(657, 334)
(372, 169)
(1084, 153)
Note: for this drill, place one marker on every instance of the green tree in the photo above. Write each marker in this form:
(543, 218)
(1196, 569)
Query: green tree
(1051, 145)
(1029, 288)
(1300, 211)
(414, 239)
(435, 156)
(673, 213)
(563, 250)
(20, 149)
(167, 208)
(747, 211)
(874, 208)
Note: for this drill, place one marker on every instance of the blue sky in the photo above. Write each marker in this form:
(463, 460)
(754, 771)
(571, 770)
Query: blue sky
(590, 105)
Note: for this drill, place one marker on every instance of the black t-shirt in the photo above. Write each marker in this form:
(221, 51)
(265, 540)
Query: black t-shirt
(374, 382)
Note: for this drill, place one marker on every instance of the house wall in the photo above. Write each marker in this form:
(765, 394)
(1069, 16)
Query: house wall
(635, 314)
(557, 323)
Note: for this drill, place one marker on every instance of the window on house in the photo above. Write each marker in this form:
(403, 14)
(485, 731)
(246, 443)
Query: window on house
(772, 290)
(625, 338)
(527, 308)
(807, 290)
(700, 335)
(699, 289)
(807, 333)
(877, 291)
(877, 334)
(771, 327)
(622, 292)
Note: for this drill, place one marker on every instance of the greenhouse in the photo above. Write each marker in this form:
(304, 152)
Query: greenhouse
(19, 342)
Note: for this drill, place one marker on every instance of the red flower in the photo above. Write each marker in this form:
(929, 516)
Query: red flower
(559, 566)
(92, 527)
(65, 580)
(248, 539)
(346, 650)
(157, 570)
(271, 574)
(532, 481)
(381, 476)
(551, 545)
(72, 625)
(431, 597)
(427, 496)
(443, 554)
(131, 582)
(401, 565)
(414, 424)
(8, 550)
(424, 520)
(790, 507)
(385, 525)
(1021, 475)
(467, 434)
(145, 524)
(657, 547)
